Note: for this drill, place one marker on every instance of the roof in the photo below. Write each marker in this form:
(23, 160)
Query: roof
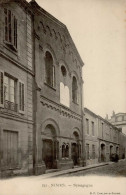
(89, 111)
(99, 117)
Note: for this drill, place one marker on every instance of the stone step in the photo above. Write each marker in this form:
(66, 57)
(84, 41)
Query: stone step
(51, 170)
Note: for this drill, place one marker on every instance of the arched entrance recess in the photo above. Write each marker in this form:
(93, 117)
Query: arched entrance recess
(75, 148)
(103, 157)
(50, 146)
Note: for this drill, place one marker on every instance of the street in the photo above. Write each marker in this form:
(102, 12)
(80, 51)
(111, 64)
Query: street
(114, 169)
(87, 182)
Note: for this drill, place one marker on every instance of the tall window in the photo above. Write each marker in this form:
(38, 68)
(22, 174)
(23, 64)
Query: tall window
(92, 124)
(9, 89)
(74, 90)
(1, 88)
(93, 151)
(87, 151)
(21, 96)
(10, 29)
(10, 93)
(65, 151)
(49, 69)
(10, 143)
(87, 126)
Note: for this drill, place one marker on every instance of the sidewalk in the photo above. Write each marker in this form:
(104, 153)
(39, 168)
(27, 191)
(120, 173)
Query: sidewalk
(68, 171)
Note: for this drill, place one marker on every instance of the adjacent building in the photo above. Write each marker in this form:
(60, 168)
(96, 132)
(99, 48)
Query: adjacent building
(16, 83)
(91, 137)
(108, 136)
(119, 120)
(102, 139)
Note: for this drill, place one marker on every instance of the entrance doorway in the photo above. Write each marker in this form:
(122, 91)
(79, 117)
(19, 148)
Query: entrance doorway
(48, 156)
(75, 153)
(102, 152)
(50, 149)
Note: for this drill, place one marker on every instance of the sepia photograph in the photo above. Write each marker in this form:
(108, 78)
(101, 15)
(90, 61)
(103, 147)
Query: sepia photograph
(63, 97)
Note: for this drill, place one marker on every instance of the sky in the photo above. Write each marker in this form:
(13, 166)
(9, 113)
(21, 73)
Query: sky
(98, 29)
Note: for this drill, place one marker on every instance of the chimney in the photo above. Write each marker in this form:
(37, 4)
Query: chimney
(113, 113)
(106, 118)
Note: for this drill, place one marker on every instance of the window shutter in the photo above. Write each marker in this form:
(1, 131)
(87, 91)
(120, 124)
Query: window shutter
(21, 96)
(1, 89)
(15, 32)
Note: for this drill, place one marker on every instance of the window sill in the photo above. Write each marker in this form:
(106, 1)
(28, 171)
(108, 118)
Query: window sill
(50, 86)
(75, 103)
(21, 112)
(65, 158)
(10, 47)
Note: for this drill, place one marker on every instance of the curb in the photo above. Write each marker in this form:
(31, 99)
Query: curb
(69, 171)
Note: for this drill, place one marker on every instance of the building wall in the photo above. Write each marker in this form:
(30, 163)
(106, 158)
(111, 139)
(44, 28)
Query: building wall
(122, 142)
(91, 138)
(119, 120)
(108, 138)
(52, 36)
(17, 63)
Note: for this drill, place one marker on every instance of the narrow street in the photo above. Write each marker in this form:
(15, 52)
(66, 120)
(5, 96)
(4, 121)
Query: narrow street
(114, 169)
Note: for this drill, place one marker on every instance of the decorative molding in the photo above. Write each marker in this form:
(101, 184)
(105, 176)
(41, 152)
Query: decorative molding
(40, 47)
(60, 108)
(36, 36)
(17, 117)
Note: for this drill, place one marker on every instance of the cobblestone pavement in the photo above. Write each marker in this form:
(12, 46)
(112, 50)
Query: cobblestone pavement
(114, 169)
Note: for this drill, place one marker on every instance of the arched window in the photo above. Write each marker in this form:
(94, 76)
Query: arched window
(63, 70)
(74, 90)
(49, 69)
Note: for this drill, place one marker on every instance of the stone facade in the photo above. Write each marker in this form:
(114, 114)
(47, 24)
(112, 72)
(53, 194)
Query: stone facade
(103, 136)
(16, 100)
(108, 136)
(58, 90)
(91, 137)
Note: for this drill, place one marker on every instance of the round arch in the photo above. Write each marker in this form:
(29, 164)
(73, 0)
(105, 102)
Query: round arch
(51, 122)
(47, 47)
(74, 74)
(77, 132)
(63, 63)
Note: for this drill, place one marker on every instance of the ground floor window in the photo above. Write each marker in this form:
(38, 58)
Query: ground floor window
(93, 151)
(87, 151)
(10, 145)
(65, 151)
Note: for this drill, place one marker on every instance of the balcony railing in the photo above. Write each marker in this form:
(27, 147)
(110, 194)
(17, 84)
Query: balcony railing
(10, 106)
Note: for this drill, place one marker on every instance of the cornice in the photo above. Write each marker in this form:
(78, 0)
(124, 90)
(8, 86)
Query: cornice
(60, 108)
(15, 117)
